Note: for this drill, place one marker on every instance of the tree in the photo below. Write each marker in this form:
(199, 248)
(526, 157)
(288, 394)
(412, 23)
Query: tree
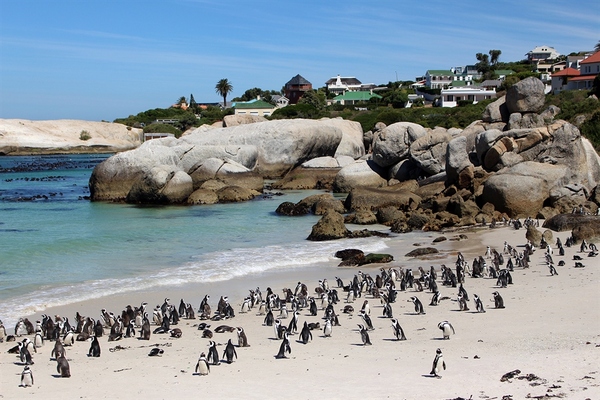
(483, 66)
(181, 101)
(494, 56)
(314, 98)
(597, 47)
(193, 104)
(223, 88)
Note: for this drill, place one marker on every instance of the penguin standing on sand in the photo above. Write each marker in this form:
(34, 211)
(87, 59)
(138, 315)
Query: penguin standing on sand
(367, 320)
(145, 329)
(38, 340)
(327, 329)
(398, 331)
(269, 319)
(94, 348)
(438, 364)
(364, 335)
(242, 339)
(26, 377)
(293, 325)
(202, 366)
(498, 300)
(62, 367)
(305, 334)
(284, 347)
(478, 304)
(418, 305)
(213, 354)
(229, 352)
(446, 327)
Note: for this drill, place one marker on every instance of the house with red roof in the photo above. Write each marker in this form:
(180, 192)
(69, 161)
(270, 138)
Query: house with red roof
(573, 79)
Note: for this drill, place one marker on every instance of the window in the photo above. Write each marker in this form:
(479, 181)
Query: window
(450, 97)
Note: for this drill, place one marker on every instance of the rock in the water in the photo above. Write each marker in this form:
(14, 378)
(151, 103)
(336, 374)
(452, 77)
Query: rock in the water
(376, 258)
(203, 196)
(290, 209)
(161, 185)
(231, 194)
(330, 226)
(350, 257)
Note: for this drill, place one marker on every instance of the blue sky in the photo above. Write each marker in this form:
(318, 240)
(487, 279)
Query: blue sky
(101, 60)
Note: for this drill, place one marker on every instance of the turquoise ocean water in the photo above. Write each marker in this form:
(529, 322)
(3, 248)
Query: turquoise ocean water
(57, 247)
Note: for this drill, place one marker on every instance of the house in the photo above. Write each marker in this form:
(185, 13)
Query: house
(543, 57)
(451, 96)
(255, 107)
(280, 101)
(501, 74)
(561, 80)
(341, 85)
(354, 97)
(438, 78)
(589, 69)
(466, 74)
(295, 88)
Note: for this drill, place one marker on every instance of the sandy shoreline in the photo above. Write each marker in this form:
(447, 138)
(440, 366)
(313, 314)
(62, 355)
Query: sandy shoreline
(550, 328)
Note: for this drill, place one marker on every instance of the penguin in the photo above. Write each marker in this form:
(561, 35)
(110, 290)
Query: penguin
(242, 339)
(552, 269)
(229, 352)
(2, 332)
(202, 366)
(38, 340)
(445, 327)
(364, 335)
(62, 367)
(207, 333)
(189, 311)
(30, 345)
(26, 377)
(284, 347)
(435, 299)
(213, 354)
(20, 328)
(327, 329)
(418, 305)
(155, 352)
(498, 300)
(293, 325)
(58, 350)
(305, 334)
(438, 364)
(145, 329)
(478, 304)
(269, 319)
(175, 333)
(398, 331)
(98, 329)
(283, 312)
(366, 308)
(69, 338)
(262, 308)
(387, 310)
(94, 348)
(462, 303)
(367, 320)
(24, 354)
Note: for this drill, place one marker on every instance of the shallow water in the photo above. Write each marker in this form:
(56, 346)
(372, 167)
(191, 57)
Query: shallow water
(58, 248)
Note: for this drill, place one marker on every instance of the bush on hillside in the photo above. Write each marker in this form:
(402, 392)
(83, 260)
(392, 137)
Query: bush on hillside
(162, 128)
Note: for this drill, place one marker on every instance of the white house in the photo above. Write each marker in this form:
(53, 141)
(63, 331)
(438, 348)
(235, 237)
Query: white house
(589, 69)
(341, 85)
(451, 96)
(438, 78)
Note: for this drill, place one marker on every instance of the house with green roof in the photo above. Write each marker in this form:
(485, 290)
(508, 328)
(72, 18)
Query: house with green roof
(438, 78)
(253, 107)
(350, 98)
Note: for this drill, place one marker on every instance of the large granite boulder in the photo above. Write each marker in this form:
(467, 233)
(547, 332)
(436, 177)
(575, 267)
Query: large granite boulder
(202, 196)
(352, 143)
(363, 173)
(226, 171)
(526, 96)
(429, 151)
(189, 155)
(331, 226)
(521, 190)
(496, 111)
(242, 119)
(376, 198)
(113, 178)
(457, 161)
(392, 143)
(162, 184)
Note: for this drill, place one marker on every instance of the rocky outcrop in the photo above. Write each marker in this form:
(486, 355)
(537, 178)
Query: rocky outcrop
(242, 119)
(526, 96)
(375, 199)
(330, 226)
(363, 173)
(20, 137)
(429, 151)
(392, 143)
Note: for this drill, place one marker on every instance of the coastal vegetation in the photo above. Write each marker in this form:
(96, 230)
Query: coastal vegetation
(85, 135)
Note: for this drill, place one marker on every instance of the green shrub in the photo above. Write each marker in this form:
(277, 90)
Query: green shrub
(85, 135)
(590, 129)
(162, 128)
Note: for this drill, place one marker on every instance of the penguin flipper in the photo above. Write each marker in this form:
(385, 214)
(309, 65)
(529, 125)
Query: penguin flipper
(444, 364)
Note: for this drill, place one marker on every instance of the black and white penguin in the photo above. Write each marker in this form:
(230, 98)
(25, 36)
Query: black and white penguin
(387, 310)
(229, 352)
(398, 331)
(478, 304)
(155, 352)
(202, 366)
(94, 348)
(213, 354)
(176, 333)
(98, 329)
(26, 377)
(24, 354)
(293, 325)
(246, 305)
(328, 328)
(364, 335)
(284, 347)
(38, 340)
(62, 367)
(418, 305)
(498, 300)
(305, 334)
(269, 318)
(2, 332)
(446, 328)
(58, 350)
(145, 329)
(242, 339)
(69, 338)
(435, 299)
(462, 302)
(438, 363)
(367, 320)
(312, 306)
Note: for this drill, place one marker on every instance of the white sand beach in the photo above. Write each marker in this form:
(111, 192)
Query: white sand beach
(549, 330)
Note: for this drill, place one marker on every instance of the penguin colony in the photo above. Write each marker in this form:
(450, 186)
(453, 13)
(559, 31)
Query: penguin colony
(286, 311)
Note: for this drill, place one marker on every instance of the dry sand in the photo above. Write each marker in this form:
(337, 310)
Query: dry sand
(550, 329)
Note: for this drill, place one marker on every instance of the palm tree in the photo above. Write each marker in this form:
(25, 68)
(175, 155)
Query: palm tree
(223, 88)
